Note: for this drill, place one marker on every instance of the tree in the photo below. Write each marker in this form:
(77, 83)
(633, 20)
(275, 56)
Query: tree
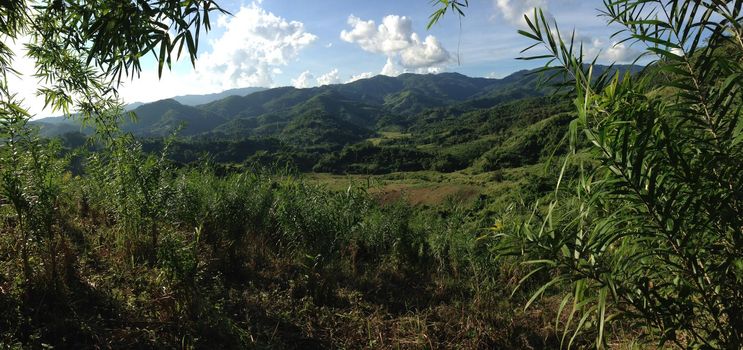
(653, 236)
(82, 50)
(444, 6)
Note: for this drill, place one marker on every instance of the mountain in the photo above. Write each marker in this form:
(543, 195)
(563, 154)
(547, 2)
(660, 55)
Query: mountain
(163, 117)
(132, 106)
(54, 126)
(442, 122)
(195, 100)
(329, 116)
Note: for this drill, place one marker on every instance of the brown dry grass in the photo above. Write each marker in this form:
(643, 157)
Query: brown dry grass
(431, 194)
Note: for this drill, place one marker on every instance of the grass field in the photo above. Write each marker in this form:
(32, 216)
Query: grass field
(433, 188)
(387, 135)
(427, 188)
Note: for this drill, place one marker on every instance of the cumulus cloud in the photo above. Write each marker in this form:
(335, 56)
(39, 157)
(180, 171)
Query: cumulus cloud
(364, 75)
(611, 52)
(255, 42)
(620, 53)
(430, 70)
(328, 78)
(304, 80)
(677, 51)
(391, 36)
(423, 54)
(514, 10)
(390, 69)
(395, 38)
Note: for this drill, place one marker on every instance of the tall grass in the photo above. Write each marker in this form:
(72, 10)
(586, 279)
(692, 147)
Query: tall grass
(131, 246)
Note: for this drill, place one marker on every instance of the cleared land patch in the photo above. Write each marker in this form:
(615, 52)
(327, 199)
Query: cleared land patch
(387, 135)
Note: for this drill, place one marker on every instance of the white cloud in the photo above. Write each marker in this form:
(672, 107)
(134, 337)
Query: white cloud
(24, 85)
(391, 37)
(430, 70)
(678, 51)
(608, 52)
(254, 43)
(251, 51)
(328, 78)
(145, 88)
(364, 75)
(620, 53)
(394, 38)
(514, 10)
(423, 54)
(148, 87)
(304, 80)
(390, 69)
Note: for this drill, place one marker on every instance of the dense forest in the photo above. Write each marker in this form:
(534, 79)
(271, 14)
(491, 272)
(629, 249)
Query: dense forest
(445, 122)
(571, 206)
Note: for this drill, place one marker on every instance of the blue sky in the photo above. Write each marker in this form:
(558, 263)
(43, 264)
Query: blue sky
(304, 43)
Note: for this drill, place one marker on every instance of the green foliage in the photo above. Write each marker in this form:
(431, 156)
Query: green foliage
(332, 128)
(365, 158)
(652, 235)
(540, 140)
(318, 129)
(444, 6)
(161, 118)
(130, 188)
(198, 256)
(81, 51)
(32, 184)
(376, 103)
(139, 251)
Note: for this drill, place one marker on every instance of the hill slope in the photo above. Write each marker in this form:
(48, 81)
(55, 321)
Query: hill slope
(443, 122)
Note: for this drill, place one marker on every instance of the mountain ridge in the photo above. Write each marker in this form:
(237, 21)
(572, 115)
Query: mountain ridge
(371, 104)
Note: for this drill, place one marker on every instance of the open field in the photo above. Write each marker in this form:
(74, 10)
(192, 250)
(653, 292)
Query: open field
(421, 188)
(387, 135)
(433, 188)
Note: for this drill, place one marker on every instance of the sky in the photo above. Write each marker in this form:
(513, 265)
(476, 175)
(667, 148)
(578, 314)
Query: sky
(302, 43)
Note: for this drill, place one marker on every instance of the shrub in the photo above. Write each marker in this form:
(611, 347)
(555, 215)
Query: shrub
(652, 236)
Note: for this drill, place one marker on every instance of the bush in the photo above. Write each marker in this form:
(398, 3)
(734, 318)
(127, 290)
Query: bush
(652, 235)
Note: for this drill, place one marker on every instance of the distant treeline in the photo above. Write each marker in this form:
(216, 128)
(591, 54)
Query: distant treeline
(509, 135)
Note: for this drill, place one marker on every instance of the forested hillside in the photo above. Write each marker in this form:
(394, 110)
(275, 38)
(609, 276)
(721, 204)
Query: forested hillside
(570, 206)
(444, 122)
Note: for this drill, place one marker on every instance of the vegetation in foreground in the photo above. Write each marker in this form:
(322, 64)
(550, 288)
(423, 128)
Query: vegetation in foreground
(119, 248)
(134, 254)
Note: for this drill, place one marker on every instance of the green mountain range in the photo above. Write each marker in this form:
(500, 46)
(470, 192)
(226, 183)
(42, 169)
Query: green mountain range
(362, 103)
(441, 122)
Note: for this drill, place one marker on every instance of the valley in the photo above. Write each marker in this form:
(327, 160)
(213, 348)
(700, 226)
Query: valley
(308, 202)
(447, 122)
